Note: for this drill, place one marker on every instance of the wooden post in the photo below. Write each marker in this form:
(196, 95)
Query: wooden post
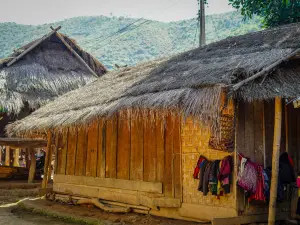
(0, 155)
(7, 156)
(47, 160)
(16, 157)
(275, 161)
(32, 165)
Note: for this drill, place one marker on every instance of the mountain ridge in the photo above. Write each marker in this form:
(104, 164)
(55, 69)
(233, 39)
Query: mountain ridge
(135, 44)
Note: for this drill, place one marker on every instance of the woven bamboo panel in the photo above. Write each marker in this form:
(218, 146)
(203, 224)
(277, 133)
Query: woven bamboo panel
(195, 138)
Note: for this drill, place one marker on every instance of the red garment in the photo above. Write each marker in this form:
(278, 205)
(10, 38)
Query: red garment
(259, 193)
(197, 168)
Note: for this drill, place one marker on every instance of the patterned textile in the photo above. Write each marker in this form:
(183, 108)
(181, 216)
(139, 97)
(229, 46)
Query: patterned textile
(248, 178)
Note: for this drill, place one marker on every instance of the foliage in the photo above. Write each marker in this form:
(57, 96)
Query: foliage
(273, 12)
(146, 42)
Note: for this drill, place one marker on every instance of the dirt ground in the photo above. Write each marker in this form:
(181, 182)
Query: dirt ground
(10, 214)
(108, 218)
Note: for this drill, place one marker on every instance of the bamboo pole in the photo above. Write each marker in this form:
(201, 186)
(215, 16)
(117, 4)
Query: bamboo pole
(275, 161)
(32, 165)
(48, 156)
(7, 156)
(16, 157)
(0, 155)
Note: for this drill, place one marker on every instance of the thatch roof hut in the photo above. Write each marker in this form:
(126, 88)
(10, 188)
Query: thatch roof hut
(134, 135)
(43, 70)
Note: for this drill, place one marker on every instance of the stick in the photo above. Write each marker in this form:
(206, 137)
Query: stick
(275, 161)
(98, 204)
(33, 46)
(265, 70)
(75, 53)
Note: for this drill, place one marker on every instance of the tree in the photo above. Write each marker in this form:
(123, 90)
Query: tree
(273, 12)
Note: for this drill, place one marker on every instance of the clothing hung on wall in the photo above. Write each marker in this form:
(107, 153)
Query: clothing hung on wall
(255, 180)
(214, 176)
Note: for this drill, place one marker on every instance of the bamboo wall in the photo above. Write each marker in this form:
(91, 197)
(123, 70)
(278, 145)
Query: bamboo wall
(125, 148)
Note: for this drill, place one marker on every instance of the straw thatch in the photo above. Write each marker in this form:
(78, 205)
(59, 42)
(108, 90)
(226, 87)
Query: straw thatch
(189, 83)
(44, 73)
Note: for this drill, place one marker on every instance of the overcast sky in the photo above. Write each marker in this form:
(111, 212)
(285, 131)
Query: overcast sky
(45, 11)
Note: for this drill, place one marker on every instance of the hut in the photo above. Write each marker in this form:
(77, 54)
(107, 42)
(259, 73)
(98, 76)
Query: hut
(38, 73)
(134, 137)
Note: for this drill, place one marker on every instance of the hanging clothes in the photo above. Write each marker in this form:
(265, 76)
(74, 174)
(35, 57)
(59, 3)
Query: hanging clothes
(201, 176)
(213, 177)
(206, 178)
(198, 166)
(298, 202)
(248, 178)
(259, 194)
(286, 169)
(225, 173)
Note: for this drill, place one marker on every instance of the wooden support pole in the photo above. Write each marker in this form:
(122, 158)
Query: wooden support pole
(47, 160)
(0, 155)
(275, 161)
(16, 157)
(32, 165)
(7, 156)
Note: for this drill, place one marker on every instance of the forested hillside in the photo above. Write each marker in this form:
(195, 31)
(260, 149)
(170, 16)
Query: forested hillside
(144, 42)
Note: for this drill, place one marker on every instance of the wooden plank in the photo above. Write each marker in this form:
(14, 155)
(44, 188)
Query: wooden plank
(137, 149)
(160, 147)
(103, 160)
(169, 137)
(177, 158)
(64, 149)
(71, 153)
(247, 219)
(7, 156)
(92, 150)
(269, 129)
(249, 131)
(123, 150)
(151, 187)
(150, 154)
(81, 153)
(111, 147)
(258, 132)
(101, 153)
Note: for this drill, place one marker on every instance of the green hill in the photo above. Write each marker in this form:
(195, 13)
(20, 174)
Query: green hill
(135, 44)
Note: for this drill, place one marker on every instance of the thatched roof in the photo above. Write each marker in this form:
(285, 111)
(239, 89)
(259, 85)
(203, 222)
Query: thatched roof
(44, 72)
(189, 83)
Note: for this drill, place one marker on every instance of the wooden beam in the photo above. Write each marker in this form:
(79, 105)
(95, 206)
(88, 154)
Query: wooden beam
(47, 160)
(151, 187)
(265, 70)
(7, 156)
(23, 143)
(33, 46)
(75, 53)
(275, 160)
(31, 175)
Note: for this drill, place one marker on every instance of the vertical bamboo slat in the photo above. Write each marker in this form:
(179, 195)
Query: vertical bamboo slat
(275, 160)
